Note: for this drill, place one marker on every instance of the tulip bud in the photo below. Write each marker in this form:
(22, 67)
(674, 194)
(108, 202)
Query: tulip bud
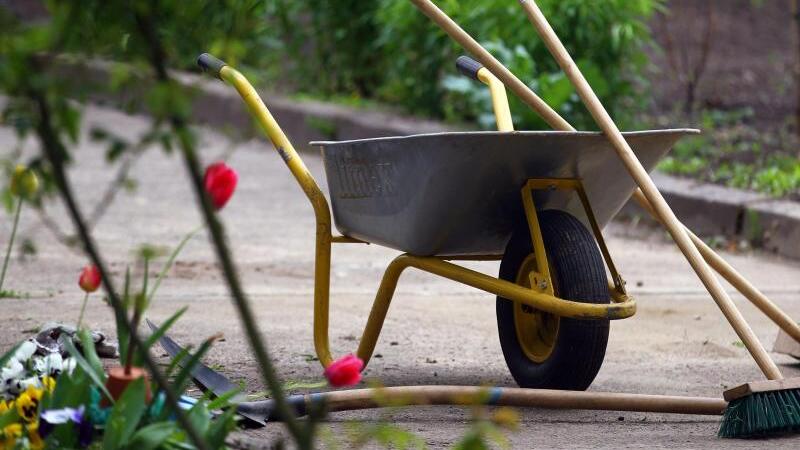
(24, 182)
(90, 279)
(220, 183)
(345, 371)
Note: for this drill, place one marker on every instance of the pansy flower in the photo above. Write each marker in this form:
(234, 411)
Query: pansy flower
(28, 403)
(52, 417)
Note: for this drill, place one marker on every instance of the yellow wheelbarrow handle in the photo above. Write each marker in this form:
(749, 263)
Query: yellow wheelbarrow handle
(322, 264)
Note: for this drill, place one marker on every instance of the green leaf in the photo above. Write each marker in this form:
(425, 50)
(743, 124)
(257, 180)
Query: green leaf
(176, 361)
(153, 435)
(125, 416)
(115, 149)
(153, 338)
(185, 374)
(123, 337)
(97, 379)
(87, 344)
(187, 361)
(7, 199)
(72, 389)
(556, 90)
(199, 417)
(220, 427)
(171, 260)
(223, 400)
(11, 416)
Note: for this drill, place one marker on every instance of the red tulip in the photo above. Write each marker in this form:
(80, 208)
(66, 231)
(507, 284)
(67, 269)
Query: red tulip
(345, 371)
(90, 280)
(220, 182)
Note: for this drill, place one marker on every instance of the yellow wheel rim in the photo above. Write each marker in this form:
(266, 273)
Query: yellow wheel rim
(536, 330)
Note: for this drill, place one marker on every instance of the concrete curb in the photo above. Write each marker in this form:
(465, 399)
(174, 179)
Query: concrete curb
(717, 211)
(709, 210)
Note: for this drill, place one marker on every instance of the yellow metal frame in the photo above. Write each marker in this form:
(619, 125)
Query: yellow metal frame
(622, 307)
(502, 113)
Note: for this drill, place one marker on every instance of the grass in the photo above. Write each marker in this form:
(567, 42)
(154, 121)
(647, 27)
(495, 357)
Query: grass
(9, 293)
(733, 152)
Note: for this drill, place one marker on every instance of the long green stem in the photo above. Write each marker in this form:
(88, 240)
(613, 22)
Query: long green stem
(139, 305)
(170, 261)
(83, 309)
(10, 243)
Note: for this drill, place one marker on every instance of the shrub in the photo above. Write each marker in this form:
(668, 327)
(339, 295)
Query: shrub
(389, 51)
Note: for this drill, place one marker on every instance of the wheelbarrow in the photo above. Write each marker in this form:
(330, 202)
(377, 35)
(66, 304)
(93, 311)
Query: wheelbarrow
(534, 200)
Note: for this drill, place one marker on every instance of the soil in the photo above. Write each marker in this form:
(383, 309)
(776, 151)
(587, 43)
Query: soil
(752, 56)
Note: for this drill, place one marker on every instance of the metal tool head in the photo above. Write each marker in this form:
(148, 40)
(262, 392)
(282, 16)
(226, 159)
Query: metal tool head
(211, 380)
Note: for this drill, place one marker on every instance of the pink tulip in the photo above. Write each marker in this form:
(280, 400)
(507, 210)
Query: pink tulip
(220, 183)
(90, 279)
(345, 371)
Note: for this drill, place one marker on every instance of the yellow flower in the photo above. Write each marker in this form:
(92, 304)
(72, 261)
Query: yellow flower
(49, 384)
(36, 442)
(13, 430)
(506, 418)
(24, 182)
(28, 403)
(9, 436)
(3, 407)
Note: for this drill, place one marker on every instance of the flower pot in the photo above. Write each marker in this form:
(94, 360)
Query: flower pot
(118, 381)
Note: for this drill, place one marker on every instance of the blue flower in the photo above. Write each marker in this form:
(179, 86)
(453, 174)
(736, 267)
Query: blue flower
(63, 415)
(48, 420)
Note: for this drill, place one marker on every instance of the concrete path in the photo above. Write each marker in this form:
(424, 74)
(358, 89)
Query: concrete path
(437, 332)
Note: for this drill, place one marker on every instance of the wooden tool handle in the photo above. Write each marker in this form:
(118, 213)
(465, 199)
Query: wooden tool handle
(519, 397)
(650, 191)
(736, 279)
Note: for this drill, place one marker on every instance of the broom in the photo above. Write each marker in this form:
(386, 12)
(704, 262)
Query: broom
(755, 408)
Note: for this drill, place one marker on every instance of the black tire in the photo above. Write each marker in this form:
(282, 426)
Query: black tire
(578, 274)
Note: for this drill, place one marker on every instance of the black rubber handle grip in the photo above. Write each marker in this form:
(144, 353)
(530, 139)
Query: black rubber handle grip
(468, 66)
(210, 63)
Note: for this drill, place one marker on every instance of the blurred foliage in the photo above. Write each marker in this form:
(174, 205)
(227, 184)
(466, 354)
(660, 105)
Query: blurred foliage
(145, 39)
(389, 51)
(359, 49)
(733, 152)
(108, 29)
(32, 76)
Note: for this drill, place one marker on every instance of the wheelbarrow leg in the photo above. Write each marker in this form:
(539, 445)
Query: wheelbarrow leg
(377, 315)
(322, 283)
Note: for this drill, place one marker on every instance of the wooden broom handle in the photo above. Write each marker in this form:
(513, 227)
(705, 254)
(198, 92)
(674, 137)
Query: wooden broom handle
(733, 277)
(650, 191)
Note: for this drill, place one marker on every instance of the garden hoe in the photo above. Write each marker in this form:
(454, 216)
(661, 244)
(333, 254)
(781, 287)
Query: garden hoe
(755, 408)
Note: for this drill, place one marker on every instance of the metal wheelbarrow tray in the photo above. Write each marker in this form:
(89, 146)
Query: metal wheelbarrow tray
(459, 193)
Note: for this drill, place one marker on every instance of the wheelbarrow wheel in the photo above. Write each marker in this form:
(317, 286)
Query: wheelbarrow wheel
(543, 350)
